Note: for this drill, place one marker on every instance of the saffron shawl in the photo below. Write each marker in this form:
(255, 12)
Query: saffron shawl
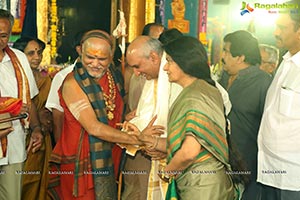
(23, 85)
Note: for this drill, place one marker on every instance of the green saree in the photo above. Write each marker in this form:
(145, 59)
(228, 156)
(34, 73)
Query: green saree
(198, 111)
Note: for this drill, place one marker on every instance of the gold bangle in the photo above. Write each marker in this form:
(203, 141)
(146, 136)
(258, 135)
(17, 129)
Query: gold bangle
(165, 176)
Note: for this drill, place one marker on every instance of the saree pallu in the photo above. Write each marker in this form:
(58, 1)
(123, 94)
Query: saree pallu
(43, 84)
(207, 180)
(36, 168)
(198, 111)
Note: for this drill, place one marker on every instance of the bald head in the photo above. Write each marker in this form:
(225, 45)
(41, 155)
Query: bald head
(144, 55)
(143, 45)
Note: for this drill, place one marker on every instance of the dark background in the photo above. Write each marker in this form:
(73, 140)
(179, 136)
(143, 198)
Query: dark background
(79, 16)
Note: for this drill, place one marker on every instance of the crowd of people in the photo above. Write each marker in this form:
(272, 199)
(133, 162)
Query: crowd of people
(168, 131)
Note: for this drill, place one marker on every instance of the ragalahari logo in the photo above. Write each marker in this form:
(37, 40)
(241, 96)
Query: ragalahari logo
(246, 8)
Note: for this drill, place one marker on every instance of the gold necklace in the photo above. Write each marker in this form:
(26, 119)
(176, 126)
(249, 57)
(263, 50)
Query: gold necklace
(111, 97)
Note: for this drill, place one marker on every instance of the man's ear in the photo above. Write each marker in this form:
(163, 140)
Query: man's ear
(154, 57)
(241, 59)
(78, 50)
(272, 67)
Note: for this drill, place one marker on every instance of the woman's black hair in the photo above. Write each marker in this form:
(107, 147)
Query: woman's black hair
(22, 42)
(237, 163)
(169, 35)
(190, 55)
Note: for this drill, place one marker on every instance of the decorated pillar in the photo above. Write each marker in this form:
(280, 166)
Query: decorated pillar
(114, 12)
(203, 4)
(53, 30)
(42, 28)
(134, 11)
(149, 11)
(137, 14)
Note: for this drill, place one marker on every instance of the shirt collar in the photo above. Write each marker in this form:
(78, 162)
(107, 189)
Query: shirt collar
(293, 58)
(6, 58)
(248, 70)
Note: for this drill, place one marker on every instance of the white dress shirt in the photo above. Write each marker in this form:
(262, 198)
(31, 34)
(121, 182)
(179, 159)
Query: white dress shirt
(279, 134)
(16, 152)
(53, 98)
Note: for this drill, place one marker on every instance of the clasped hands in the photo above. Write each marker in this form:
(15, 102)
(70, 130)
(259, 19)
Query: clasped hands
(149, 137)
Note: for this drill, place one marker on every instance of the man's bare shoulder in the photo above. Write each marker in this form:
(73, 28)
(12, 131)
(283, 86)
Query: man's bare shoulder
(71, 89)
(70, 84)
(70, 80)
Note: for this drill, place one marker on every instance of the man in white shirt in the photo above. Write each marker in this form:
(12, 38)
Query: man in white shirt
(136, 83)
(146, 56)
(53, 104)
(17, 81)
(279, 134)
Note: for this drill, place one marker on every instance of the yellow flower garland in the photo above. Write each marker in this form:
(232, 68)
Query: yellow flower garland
(53, 28)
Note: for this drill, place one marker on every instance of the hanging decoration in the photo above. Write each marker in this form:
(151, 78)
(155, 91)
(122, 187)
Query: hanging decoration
(149, 11)
(53, 29)
(203, 4)
(162, 11)
(120, 31)
(17, 8)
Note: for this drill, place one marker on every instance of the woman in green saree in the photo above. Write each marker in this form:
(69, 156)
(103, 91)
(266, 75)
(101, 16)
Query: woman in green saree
(197, 149)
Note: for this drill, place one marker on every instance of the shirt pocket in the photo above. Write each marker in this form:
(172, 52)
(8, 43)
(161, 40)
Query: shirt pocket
(289, 103)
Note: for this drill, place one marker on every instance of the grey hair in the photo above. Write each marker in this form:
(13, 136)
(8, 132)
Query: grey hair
(4, 14)
(152, 44)
(272, 51)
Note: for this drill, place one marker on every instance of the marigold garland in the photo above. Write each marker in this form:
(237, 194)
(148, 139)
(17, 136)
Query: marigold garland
(53, 28)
